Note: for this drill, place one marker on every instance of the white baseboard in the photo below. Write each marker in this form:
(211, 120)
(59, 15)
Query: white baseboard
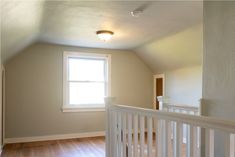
(54, 137)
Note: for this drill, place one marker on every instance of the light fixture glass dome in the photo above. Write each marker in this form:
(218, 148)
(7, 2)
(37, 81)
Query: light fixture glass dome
(104, 35)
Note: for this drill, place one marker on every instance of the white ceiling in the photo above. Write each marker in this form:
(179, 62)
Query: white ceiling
(75, 23)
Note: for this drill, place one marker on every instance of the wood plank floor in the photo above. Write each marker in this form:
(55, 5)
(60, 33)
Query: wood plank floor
(85, 147)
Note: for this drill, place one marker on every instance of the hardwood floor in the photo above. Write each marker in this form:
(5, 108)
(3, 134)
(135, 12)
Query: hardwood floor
(85, 147)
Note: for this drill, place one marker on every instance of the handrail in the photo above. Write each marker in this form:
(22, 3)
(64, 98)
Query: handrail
(181, 106)
(164, 104)
(126, 127)
(202, 121)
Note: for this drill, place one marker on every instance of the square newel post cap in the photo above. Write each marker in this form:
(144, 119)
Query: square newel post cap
(163, 99)
(109, 100)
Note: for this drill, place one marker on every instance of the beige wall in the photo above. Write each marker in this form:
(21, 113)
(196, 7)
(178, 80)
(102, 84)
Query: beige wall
(219, 63)
(184, 85)
(34, 91)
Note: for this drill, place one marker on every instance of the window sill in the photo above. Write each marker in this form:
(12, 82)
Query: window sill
(83, 109)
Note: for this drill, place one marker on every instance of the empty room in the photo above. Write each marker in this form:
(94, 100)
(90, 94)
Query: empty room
(117, 78)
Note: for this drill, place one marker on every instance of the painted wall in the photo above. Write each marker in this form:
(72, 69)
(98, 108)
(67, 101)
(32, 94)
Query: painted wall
(219, 63)
(184, 85)
(34, 91)
(219, 59)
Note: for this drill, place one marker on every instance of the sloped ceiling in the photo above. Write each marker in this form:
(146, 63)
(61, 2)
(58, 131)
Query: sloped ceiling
(75, 23)
(20, 25)
(182, 49)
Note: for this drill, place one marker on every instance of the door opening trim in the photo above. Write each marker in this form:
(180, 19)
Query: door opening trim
(155, 85)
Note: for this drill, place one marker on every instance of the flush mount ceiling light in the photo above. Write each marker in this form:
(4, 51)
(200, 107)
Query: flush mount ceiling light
(104, 35)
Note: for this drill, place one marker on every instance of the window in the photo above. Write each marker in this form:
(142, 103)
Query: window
(86, 81)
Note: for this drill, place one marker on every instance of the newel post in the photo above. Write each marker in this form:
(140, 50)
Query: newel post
(108, 102)
(162, 101)
(201, 107)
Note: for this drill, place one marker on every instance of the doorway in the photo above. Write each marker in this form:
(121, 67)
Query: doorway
(159, 89)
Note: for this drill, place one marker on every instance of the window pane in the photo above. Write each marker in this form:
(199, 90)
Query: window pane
(86, 69)
(86, 93)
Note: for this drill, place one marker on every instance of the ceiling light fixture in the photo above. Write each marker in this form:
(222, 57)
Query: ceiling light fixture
(104, 35)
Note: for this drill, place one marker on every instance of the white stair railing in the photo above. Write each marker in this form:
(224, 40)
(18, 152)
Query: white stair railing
(165, 105)
(127, 127)
(178, 108)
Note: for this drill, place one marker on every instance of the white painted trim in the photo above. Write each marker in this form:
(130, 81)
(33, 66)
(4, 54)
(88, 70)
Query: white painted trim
(3, 102)
(54, 137)
(82, 108)
(200, 121)
(193, 134)
(154, 87)
(92, 109)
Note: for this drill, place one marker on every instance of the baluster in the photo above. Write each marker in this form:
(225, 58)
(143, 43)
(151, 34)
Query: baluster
(179, 111)
(166, 138)
(188, 140)
(136, 136)
(209, 143)
(150, 135)
(167, 108)
(198, 141)
(229, 145)
(189, 112)
(114, 127)
(174, 139)
(108, 144)
(119, 134)
(232, 145)
(168, 142)
(124, 134)
(192, 142)
(129, 135)
(158, 136)
(179, 139)
(142, 134)
(111, 124)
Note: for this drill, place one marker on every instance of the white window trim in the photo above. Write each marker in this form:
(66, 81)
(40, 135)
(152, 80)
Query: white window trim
(83, 108)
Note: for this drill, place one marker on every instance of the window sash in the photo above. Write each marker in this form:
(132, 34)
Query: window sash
(89, 58)
(88, 104)
(88, 81)
(107, 82)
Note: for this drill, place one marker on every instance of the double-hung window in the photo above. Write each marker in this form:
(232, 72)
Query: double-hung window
(86, 81)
